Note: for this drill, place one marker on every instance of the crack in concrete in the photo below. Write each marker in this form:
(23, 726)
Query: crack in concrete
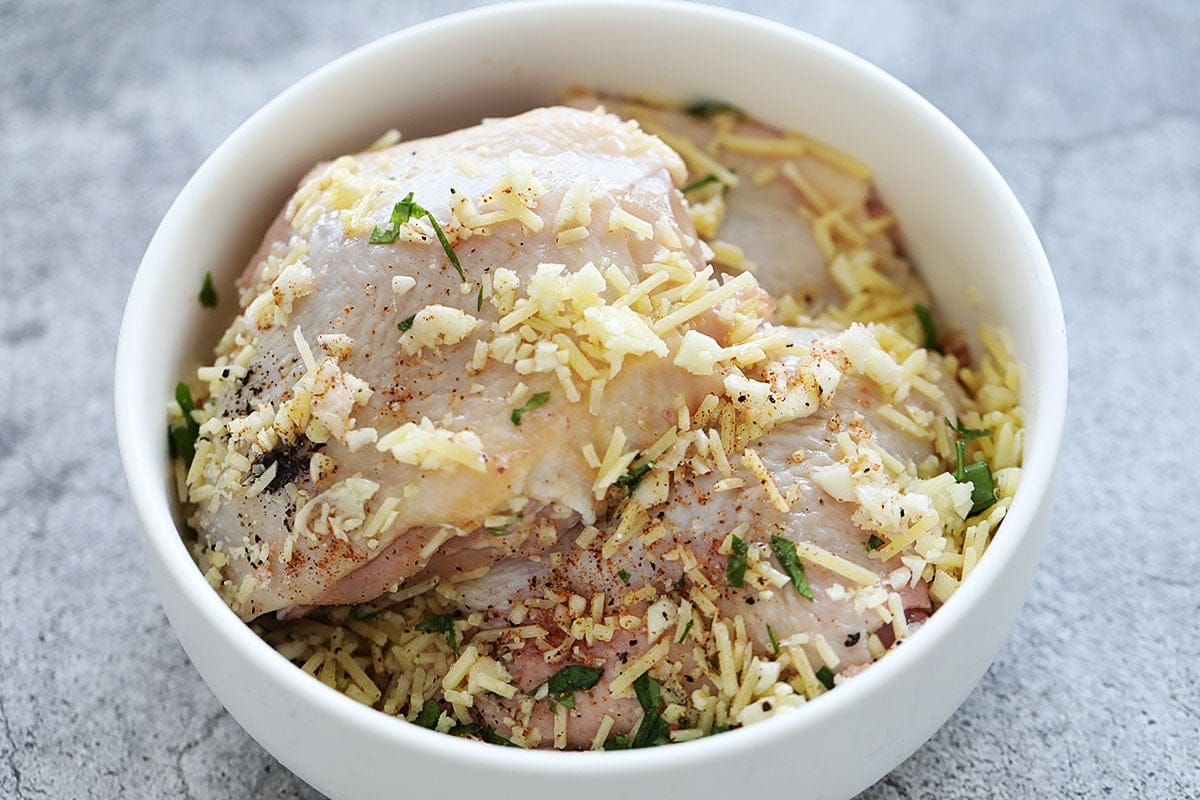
(12, 755)
(1062, 148)
(38, 532)
(1059, 144)
(1049, 198)
(206, 732)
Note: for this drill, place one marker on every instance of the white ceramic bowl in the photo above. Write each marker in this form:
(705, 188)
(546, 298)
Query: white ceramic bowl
(962, 225)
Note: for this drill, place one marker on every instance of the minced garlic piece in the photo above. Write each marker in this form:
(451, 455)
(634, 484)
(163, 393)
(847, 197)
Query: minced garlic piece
(429, 447)
(435, 326)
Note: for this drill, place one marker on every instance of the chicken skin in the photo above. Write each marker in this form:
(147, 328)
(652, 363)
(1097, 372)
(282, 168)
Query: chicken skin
(365, 411)
(687, 550)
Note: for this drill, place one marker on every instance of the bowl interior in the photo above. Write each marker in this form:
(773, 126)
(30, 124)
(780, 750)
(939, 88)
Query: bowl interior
(960, 221)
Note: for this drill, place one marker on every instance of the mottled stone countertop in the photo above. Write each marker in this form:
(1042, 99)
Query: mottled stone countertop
(1090, 110)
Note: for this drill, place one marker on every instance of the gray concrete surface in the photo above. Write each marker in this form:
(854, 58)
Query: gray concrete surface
(1092, 111)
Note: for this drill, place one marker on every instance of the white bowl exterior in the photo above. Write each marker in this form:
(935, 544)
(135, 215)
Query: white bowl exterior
(962, 225)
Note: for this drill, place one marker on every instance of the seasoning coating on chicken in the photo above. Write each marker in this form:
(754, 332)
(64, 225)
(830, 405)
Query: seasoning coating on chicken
(512, 439)
(716, 541)
(781, 205)
(371, 406)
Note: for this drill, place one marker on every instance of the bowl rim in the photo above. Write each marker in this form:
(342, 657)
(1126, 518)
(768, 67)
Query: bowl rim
(160, 533)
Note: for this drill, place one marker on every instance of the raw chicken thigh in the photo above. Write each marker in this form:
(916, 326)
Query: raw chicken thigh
(591, 430)
(780, 488)
(773, 203)
(365, 405)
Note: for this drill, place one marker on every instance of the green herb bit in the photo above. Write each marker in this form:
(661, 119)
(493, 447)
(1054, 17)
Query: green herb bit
(362, 613)
(967, 433)
(707, 108)
(406, 324)
(491, 737)
(874, 543)
(499, 531)
(182, 443)
(618, 741)
(653, 730)
(979, 475)
(485, 733)
(633, 477)
(686, 630)
(649, 693)
(402, 212)
(719, 728)
(928, 329)
(785, 551)
(774, 640)
(430, 713)
(183, 437)
(735, 568)
(983, 491)
(450, 254)
(479, 300)
(208, 295)
(183, 396)
(700, 184)
(440, 623)
(563, 684)
(825, 676)
(624, 576)
(537, 401)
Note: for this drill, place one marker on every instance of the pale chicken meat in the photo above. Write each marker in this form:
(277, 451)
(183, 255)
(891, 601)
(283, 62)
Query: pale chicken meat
(780, 205)
(607, 425)
(366, 408)
(686, 548)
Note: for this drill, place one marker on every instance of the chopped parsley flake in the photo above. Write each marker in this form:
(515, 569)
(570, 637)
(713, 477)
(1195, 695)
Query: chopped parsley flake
(402, 212)
(405, 324)
(182, 442)
(362, 613)
(624, 576)
(735, 569)
(470, 729)
(967, 433)
(430, 713)
(563, 684)
(874, 543)
(928, 329)
(479, 299)
(825, 676)
(491, 737)
(537, 401)
(440, 623)
(208, 295)
(700, 184)
(707, 108)
(774, 640)
(653, 730)
(633, 477)
(498, 531)
(686, 630)
(785, 551)
(977, 473)
(183, 396)
(483, 732)
(183, 437)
